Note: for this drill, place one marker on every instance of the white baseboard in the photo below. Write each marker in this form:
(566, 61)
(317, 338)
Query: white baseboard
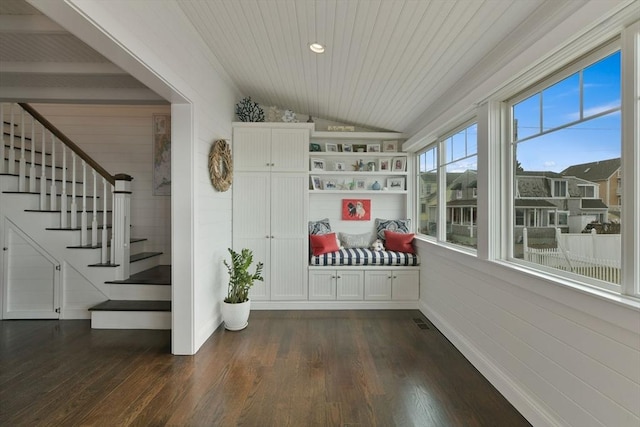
(334, 305)
(75, 313)
(516, 395)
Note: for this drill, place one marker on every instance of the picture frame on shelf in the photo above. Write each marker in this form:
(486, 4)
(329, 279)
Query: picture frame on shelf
(373, 148)
(346, 148)
(399, 164)
(329, 184)
(390, 146)
(316, 183)
(339, 166)
(317, 165)
(330, 147)
(395, 184)
(313, 147)
(360, 184)
(359, 148)
(384, 165)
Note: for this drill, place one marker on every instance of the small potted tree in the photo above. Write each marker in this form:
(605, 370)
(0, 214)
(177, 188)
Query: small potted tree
(236, 306)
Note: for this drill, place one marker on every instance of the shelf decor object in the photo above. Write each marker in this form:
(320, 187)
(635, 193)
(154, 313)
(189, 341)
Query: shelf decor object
(249, 111)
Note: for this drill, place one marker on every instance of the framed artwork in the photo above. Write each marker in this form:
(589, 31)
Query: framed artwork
(314, 147)
(317, 165)
(399, 164)
(390, 146)
(331, 147)
(329, 184)
(339, 166)
(384, 165)
(161, 154)
(395, 184)
(359, 148)
(316, 184)
(356, 209)
(360, 184)
(347, 148)
(373, 148)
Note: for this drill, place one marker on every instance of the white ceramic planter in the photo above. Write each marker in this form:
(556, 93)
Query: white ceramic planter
(236, 316)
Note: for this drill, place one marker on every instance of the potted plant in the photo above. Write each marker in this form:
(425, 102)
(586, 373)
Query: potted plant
(236, 306)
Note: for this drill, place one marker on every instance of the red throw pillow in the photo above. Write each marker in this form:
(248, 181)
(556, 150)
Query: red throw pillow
(399, 242)
(323, 243)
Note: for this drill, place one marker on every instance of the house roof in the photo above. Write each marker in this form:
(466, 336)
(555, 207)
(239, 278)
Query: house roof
(594, 171)
(533, 203)
(593, 204)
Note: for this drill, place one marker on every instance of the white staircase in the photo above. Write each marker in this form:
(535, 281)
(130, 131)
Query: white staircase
(65, 234)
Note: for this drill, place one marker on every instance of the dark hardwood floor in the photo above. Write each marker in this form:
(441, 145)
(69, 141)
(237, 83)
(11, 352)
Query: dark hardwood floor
(288, 368)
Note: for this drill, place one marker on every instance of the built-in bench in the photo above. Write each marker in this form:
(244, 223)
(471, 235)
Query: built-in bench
(365, 257)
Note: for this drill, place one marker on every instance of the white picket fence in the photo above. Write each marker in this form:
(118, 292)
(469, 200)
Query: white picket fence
(563, 258)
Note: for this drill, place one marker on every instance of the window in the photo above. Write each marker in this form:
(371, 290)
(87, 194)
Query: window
(427, 185)
(569, 120)
(450, 165)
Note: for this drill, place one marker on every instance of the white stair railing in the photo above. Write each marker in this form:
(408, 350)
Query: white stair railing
(117, 188)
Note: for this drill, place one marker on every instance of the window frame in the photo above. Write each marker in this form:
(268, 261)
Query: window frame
(509, 142)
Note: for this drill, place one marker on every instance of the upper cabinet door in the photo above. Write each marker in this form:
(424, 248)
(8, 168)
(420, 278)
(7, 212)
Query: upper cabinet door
(289, 150)
(252, 149)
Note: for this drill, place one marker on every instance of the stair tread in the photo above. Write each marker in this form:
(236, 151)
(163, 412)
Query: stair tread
(158, 275)
(88, 196)
(74, 229)
(58, 211)
(132, 305)
(132, 240)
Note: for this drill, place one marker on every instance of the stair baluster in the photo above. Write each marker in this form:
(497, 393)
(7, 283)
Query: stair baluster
(2, 157)
(74, 205)
(83, 215)
(94, 220)
(54, 191)
(23, 163)
(104, 254)
(43, 171)
(63, 196)
(12, 144)
(32, 169)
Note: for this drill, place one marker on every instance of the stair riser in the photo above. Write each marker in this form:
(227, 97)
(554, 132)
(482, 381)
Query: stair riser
(145, 264)
(131, 320)
(140, 292)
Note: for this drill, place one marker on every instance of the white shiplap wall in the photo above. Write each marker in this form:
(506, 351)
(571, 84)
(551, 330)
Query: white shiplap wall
(560, 356)
(119, 137)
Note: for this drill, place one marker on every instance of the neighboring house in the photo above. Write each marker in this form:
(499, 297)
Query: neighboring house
(605, 173)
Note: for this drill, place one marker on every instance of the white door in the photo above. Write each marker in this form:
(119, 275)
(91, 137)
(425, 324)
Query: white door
(31, 282)
(251, 227)
(251, 149)
(406, 285)
(350, 285)
(289, 150)
(377, 285)
(289, 228)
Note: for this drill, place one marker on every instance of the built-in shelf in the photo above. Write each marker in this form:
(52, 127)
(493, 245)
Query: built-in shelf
(355, 174)
(357, 135)
(385, 192)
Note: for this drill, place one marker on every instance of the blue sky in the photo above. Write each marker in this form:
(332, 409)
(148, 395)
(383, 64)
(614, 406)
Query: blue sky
(587, 141)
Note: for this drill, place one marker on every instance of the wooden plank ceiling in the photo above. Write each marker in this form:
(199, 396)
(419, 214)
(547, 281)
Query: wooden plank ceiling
(386, 61)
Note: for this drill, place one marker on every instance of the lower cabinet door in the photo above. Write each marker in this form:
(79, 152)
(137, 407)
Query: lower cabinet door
(322, 285)
(377, 285)
(405, 285)
(350, 285)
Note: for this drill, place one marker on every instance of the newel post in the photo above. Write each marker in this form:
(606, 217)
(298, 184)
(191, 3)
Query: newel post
(120, 235)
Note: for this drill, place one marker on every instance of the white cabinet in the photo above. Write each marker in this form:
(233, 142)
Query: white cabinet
(270, 204)
(270, 149)
(330, 284)
(396, 285)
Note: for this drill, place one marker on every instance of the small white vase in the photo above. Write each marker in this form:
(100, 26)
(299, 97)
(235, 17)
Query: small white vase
(236, 316)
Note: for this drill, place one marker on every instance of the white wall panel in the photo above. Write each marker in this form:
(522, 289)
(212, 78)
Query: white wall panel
(557, 359)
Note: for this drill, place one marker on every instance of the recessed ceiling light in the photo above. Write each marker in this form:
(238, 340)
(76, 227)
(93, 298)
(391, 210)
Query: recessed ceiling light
(316, 47)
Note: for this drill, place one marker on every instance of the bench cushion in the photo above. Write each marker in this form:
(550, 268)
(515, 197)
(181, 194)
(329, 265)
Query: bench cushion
(361, 256)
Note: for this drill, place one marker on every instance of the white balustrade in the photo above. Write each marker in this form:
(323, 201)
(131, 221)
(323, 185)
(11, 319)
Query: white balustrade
(22, 171)
(54, 192)
(32, 169)
(94, 220)
(122, 226)
(43, 171)
(74, 205)
(12, 143)
(63, 196)
(104, 251)
(83, 215)
(2, 155)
